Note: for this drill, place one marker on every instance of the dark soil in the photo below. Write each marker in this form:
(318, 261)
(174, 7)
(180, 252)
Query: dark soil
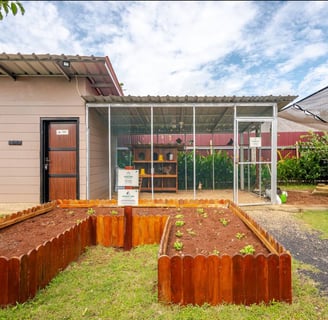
(211, 231)
(22, 237)
(210, 234)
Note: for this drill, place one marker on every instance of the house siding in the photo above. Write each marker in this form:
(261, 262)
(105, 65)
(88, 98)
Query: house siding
(23, 103)
(98, 153)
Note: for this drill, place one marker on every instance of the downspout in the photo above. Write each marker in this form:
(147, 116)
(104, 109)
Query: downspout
(274, 155)
(88, 154)
(194, 146)
(109, 157)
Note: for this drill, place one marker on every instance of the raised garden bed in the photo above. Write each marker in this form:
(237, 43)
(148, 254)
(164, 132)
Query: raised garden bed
(26, 269)
(225, 270)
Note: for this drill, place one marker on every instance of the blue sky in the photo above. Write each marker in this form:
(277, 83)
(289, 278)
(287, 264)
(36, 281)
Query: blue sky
(185, 48)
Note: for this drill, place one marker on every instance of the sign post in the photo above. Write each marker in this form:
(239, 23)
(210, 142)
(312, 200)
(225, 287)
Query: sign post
(127, 197)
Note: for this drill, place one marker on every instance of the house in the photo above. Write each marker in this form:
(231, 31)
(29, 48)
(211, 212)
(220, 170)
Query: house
(43, 119)
(64, 120)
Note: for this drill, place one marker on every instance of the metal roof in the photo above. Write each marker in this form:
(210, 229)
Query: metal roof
(174, 114)
(98, 70)
(311, 111)
(281, 101)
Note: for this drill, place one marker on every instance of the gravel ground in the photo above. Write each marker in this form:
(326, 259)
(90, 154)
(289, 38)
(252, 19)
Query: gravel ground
(304, 244)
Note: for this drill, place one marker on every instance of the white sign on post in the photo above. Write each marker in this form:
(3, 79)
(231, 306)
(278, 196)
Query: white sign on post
(128, 178)
(128, 197)
(255, 142)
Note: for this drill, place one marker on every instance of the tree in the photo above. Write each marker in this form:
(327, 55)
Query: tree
(10, 6)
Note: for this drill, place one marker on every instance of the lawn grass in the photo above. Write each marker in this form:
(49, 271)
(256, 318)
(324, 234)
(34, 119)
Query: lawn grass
(317, 220)
(110, 284)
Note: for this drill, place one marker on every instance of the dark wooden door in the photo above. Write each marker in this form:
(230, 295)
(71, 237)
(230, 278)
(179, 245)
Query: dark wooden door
(60, 161)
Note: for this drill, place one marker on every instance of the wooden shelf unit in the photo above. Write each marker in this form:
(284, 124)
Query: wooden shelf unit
(165, 167)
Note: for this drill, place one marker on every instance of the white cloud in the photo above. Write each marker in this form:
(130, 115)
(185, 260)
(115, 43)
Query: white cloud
(179, 48)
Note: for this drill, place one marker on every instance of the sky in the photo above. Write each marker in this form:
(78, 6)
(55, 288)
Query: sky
(179, 48)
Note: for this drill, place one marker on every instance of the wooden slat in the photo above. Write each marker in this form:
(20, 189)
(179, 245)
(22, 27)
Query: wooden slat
(107, 231)
(250, 279)
(115, 231)
(32, 273)
(4, 268)
(164, 279)
(273, 279)
(226, 279)
(285, 264)
(176, 280)
(188, 281)
(238, 276)
(200, 276)
(121, 232)
(135, 230)
(100, 229)
(262, 279)
(23, 279)
(213, 279)
(13, 280)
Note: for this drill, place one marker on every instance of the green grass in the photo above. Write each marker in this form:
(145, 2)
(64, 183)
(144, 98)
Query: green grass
(110, 284)
(317, 220)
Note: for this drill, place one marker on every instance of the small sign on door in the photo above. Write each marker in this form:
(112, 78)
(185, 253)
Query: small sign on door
(62, 132)
(255, 142)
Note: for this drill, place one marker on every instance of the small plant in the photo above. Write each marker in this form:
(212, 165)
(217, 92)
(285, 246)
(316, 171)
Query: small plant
(224, 221)
(91, 211)
(179, 216)
(70, 212)
(240, 235)
(114, 212)
(215, 252)
(200, 210)
(179, 234)
(178, 245)
(191, 232)
(249, 249)
(78, 221)
(179, 223)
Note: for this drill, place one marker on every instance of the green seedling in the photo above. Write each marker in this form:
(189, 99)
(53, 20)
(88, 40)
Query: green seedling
(200, 210)
(216, 252)
(78, 221)
(114, 212)
(224, 221)
(179, 223)
(249, 249)
(179, 216)
(191, 232)
(240, 235)
(179, 234)
(178, 245)
(91, 211)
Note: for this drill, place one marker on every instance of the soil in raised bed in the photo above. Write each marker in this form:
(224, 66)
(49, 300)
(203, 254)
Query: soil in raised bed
(211, 231)
(24, 236)
(27, 235)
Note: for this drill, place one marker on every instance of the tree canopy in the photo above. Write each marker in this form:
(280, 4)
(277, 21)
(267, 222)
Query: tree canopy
(10, 6)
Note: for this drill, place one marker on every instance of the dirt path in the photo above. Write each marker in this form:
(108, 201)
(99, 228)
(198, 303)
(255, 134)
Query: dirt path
(304, 244)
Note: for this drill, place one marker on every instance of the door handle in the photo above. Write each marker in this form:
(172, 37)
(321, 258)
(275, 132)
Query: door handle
(46, 164)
